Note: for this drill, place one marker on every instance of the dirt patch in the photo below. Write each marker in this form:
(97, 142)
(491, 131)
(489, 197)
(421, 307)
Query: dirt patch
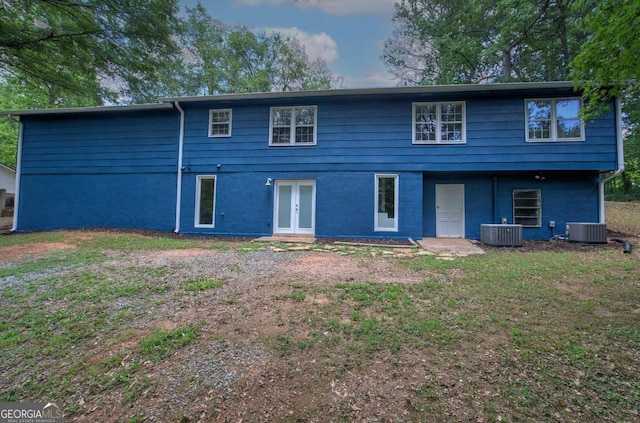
(330, 268)
(13, 252)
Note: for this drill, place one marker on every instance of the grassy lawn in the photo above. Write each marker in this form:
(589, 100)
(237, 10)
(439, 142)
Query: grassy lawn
(114, 333)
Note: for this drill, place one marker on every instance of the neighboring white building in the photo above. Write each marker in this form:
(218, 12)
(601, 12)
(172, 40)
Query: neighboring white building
(7, 184)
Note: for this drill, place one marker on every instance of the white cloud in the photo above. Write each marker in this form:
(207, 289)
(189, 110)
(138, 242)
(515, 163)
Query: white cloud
(335, 7)
(316, 45)
(371, 80)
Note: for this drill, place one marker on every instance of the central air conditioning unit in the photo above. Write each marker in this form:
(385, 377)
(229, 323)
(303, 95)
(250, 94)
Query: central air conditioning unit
(501, 235)
(595, 233)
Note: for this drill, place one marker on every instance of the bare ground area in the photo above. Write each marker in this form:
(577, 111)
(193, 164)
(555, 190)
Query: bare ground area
(286, 337)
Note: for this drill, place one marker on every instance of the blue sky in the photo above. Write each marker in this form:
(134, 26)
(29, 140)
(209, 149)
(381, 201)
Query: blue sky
(347, 34)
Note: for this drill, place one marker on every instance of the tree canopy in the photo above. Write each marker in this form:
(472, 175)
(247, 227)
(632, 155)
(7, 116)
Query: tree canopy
(462, 41)
(66, 48)
(608, 65)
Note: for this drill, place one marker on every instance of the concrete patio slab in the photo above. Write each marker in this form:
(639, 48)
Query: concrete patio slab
(458, 247)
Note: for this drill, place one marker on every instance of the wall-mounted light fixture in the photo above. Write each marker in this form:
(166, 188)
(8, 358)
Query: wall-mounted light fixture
(268, 183)
(540, 177)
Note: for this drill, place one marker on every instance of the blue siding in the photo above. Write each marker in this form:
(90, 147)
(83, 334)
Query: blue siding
(101, 144)
(120, 169)
(344, 204)
(566, 197)
(104, 170)
(97, 201)
(361, 135)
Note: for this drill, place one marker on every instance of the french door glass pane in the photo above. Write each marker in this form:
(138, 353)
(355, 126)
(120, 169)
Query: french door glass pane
(305, 213)
(284, 206)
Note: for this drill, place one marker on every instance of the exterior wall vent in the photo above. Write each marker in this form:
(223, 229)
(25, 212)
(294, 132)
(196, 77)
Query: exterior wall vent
(595, 233)
(501, 235)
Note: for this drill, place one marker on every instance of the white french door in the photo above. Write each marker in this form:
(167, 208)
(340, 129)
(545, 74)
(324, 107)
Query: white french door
(450, 211)
(295, 207)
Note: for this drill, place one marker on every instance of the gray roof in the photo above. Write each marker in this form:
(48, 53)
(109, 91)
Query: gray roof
(167, 103)
(428, 89)
(97, 109)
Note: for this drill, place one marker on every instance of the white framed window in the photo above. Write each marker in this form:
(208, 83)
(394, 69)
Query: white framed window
(293, 126)
(386, 203)
(220, 123)
(527, 209)
(439, 123)
(554, 119)
(205, 201)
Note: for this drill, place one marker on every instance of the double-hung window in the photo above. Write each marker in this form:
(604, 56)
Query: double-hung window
(220, 123)
(386, 203)
(527, 209)
(439, 123)
(293, 126)
(205, 201)
(554, 120)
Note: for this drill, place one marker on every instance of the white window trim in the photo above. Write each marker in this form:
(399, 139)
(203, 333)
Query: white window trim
(438, 123)
(211, 112)
(199, 179)
(554, 127)
(395, 202)
(292, 127)
(539, 208)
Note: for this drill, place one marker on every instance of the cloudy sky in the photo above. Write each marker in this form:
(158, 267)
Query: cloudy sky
(347, 34)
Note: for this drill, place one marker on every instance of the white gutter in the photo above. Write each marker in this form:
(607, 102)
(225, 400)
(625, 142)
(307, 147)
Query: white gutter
(179, 183)
(620, 169)
(16, 196)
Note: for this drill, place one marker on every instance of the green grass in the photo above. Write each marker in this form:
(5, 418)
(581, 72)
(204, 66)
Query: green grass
(162, 343)
(133, 242)
(202, 283)
(510, 336)
(30, 238)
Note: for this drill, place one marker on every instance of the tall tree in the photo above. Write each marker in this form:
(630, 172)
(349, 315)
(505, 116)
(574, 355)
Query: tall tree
(607, 66)
(461, 41)
(73, 44)
(217, 58)
(294, 71)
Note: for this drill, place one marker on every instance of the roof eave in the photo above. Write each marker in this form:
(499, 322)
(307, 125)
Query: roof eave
(511, 86)
(97, 109)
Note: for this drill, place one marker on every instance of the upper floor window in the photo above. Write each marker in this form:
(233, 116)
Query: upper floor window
(220, 123)
(554, 120)
(439, 123)
(293, 125)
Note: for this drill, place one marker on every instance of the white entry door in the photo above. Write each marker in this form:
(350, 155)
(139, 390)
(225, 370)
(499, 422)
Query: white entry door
(295, 207)
(450, 211)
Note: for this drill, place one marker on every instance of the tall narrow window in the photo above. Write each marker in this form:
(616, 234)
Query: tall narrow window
(205, 201)
(527, 209)
(554, 120)
(386, 203)
(220, 123)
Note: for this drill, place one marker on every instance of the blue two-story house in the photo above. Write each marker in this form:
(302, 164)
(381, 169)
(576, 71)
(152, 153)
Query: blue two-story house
(434, 161)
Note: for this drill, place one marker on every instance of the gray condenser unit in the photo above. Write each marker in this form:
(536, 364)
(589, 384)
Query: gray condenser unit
(501, 235)
(595, 233)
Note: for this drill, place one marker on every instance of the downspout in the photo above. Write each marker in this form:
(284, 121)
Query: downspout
(16, 198)
(620, 168)
(179, 183)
